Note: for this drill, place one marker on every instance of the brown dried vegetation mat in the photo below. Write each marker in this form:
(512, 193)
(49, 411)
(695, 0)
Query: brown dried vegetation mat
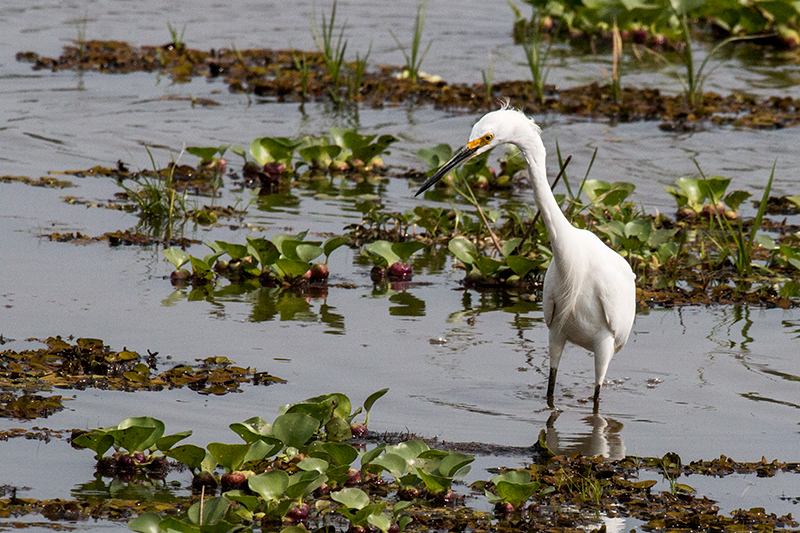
(275, 74)
(88, 363)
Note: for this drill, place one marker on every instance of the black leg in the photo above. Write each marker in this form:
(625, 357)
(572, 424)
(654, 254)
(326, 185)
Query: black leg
(596, 398)
(551, 385)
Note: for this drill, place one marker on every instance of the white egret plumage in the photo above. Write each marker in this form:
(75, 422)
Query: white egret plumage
(589, 296)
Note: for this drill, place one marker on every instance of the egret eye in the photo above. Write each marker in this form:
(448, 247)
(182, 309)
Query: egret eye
(488, 138)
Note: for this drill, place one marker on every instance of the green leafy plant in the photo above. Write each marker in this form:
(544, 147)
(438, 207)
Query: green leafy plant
(332, 52)
(177, 38)
(285, 258)
(391, 259)
(738, 244)
(413, 56)
(536, 48)
(514, 488)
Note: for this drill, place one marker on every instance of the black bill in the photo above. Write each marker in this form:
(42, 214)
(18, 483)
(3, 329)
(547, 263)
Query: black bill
(457, 159)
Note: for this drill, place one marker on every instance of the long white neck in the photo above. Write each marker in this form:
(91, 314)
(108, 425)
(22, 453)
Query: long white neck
(554, 219)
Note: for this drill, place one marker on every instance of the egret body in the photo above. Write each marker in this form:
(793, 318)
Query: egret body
(589, 296)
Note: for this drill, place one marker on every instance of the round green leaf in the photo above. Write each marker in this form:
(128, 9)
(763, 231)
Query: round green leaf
(294, 429)
(270, 485)
(351, 497)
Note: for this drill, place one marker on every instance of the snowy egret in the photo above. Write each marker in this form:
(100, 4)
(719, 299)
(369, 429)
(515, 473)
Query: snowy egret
(589, 295)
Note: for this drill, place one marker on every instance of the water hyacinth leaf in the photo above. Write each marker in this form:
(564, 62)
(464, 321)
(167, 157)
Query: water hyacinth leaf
(338, 429)
(393, 463)
(304, 483)
(238, 150)
(644, 485)
(313, 463)
(335, 402)
(366, 151)
(213, 509)
(300, 250)
(408, 450)
(252, 429)
(95, 441)
(790, 289)
(188, 454)
(405, 250)
(464, 250)
(436, 156)
(333, 243)
(270, 485)
(249, 501)
(608, 194)
(200, 268)
(260, 449)
(369, 456)
(351, 497)
(340, 453)
(263, 250)
(639, 228)
(487, 265)
(235, 251)
(370, 401)
(434, 483)
(510, 245)
(291, 268)
(765, 241)
(136, 438)
(206, 153)
(168, 441)
(713, 188)
(146, 523)
(455, 465)
(176, 256)
(171, 523)
(380, 521)
(294, 429)
(794, 200)
(320, 155)
(383, 250)
(519, 477)
(229, 456)
(734, 199)
(275, 150)
(516, 493)
(259, 152)
(521, 265)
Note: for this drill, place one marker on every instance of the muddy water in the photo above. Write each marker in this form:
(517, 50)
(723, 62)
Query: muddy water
(461, 366)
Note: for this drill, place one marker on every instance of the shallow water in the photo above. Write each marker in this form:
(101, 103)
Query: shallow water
(697, 381)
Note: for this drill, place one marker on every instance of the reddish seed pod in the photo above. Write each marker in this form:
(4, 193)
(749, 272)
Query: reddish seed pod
(400, 271)
(359, 430)
(299, 513)
(319, 272)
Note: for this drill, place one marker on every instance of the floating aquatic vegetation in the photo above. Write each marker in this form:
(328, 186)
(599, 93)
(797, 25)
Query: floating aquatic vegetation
(44, 181)
(308, 469)
(88, 363)
(278, 74)
(284, 259)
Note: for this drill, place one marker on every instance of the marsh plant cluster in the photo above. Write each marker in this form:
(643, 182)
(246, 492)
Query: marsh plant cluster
(314, 468)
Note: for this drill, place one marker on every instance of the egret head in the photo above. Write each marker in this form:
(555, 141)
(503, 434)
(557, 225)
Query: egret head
(498, 127)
